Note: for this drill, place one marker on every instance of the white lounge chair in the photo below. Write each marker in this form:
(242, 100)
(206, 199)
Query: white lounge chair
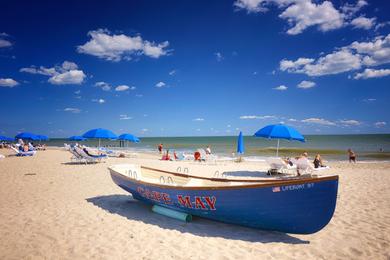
(278, 165)
(87, 157)
(76, 156)
(20, 153)
(304, 166)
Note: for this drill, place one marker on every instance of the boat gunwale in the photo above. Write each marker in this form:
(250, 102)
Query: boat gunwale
(246, 186)
(226, 179)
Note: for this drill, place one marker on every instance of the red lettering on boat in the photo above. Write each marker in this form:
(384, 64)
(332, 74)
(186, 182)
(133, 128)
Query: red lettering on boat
(199, 203)
(166, 198)
(184, 202)
(211, 202)
(156, 195)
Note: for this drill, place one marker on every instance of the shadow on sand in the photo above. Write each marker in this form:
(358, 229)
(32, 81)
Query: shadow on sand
(132, 209)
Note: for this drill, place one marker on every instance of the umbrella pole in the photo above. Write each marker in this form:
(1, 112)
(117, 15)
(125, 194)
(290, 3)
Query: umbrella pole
(277, 150)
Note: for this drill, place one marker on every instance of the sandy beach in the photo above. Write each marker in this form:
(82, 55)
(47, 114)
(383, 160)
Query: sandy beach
(52, 209)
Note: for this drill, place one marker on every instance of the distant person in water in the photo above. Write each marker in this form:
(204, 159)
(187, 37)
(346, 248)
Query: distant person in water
(351, 155)
(208, 150)
(318, 162)
(160, 148)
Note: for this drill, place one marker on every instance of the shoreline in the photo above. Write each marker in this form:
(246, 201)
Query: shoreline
(226, 157)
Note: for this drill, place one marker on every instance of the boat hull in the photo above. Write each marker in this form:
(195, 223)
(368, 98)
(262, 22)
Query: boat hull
(299, 207)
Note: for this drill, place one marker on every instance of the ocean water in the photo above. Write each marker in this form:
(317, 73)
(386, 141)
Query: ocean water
(331, 147)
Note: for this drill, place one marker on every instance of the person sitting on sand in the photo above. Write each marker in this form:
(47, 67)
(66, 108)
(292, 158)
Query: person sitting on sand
(318, 162)
(351, 155)
(166, 156)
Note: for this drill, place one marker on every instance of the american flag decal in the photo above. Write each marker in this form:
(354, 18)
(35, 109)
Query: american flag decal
(276, 189)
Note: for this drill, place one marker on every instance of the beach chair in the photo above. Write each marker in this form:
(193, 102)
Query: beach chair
(88, 157)
(75, 155)
(67, 147)
(278, 165)
(20, 153)
(304, 166)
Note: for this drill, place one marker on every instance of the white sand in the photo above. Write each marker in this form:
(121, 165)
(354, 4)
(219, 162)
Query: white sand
(51, 209)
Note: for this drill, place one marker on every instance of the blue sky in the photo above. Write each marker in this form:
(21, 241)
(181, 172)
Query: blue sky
(183, 68)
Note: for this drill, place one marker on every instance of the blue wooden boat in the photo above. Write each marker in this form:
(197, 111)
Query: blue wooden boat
(291, 205)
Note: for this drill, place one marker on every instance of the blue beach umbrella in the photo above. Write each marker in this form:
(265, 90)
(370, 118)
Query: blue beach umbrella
(42, 137)
(77, 138)
(240, 144)
(100, 133)
(4, 138)
(129, 137)
(26, 136)
(280, 131)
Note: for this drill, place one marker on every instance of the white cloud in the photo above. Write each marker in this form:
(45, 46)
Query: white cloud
(72, 110)
(41, 70)
(257, 117)
(372, 73)
(198, 119)
(8, 82)
(5, 43)
(350, 122)
(334, 63)
(124, 117)
(70, 77)
(292, 120)
(100, 101)
(114, 47)
(306, 84)
(300, 14)
(347, 58)
(319, 121)
(160, 84)
(252, 6)
(350, 9)
(304, 14)
(281, 88)
(68, 65)
(103, 85)
(363, 22)
(218, 56)
(77, 92)
(172, 72)
(375, 52)
(122, 88)
(139, 95)
(380, 124)
(67, 73)
(369, 99)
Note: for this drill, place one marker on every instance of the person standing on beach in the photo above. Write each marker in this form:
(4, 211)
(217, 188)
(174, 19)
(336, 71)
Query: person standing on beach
(160, 148)
(351, 155)
(208, 150)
